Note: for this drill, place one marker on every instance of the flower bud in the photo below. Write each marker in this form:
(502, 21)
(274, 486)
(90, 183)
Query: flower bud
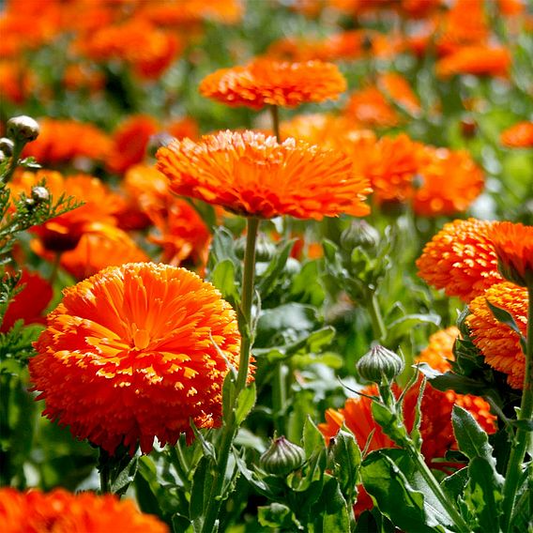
(6, 146)
(264, 249)
(40, 194)
(380, 364)
(360, 233)
(22, 129)
(282, 458)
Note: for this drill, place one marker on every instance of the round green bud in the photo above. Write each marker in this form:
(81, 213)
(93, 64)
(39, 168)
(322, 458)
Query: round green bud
(360, 233)
(380, 364)
(22, 129)
(282, 458)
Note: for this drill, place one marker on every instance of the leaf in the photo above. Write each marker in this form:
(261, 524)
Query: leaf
(473, 441)
(483, 495)
(125, 477)
(267, 281)
(402, 326)
(245, 403)
(200, 489)
(334, 516)
(503, 316)
(347, 458)
(389, 422)
(454, 484)
(223, 278)
(313, 439)
(395, 496)
(274, 515)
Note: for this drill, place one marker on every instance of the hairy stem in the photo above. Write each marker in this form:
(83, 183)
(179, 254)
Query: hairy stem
(230, 426)
(274, 112)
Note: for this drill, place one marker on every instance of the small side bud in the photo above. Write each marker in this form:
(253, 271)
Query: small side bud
(360, 233)
(380, 364)
(282, 458)
(40, 194)
(6, 146)
(22, 129)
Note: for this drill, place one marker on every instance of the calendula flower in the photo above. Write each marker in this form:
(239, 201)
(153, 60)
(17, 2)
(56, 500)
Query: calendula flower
(253, 175)
(62, 141)
(81, 77)
(153, 52)
(514, 247)
(63, 233)
(28, 304)
(269, 82)
(130, 140)
(480, 60)
(465, 23)
(134, 353)
(460, 259)
(447, 182)
(397, 88)
(99, 247)
(16, 81)
(498, 343)
(518, 136)
(370, 108)
(63, 512)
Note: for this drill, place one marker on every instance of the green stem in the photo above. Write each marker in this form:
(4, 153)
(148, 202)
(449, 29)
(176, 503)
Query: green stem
(105, 480)
(378, 325)
(274, 112)
(13, 163)
(279, 397)
(522, 437)
(230, 427)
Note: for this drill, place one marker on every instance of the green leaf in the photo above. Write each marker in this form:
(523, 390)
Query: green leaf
(267, 281)
(274, 515)
(390, 422)
(223, 278)
(396, 498)
(313, 439)
(483, 495)
(332, 509)
(245, 403)
(201, 484)
(347, 458)
(473, 441)
(454, 484)
(503, 316)
(403, 326)
(125, 477)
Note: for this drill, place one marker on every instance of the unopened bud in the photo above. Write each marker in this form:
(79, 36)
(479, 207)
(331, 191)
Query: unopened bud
(22, 128)
(360, 233)
(40, 194)
(264, 249)
(380, 364)
(282, 458)
(6, 146)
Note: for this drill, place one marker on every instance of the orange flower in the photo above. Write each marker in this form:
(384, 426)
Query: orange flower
(267, 81)
(250, 174)
(398, 89)
(130, 140)
(514, 247)
(63, 512)
(464, 23)
(479, 60)
(80, 77)
(134, 353)
(498, 343)
(357, 416)
(63, 233)
(323, 129)
(61, 141)
(370, 108)
(153, 52)
(16, 82)
(460, 259)
(439, 352)
(30, 302)
(449, 182)
(518, 136)
(100, 246)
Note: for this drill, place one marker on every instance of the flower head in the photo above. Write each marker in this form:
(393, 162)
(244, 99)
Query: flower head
(370, 108)
(251, 174)
(514, 247)
(498, 343)
(63, 512)
(518, 136)
(460, 259)
(134, 353)
(267, 81)
(480, 60)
